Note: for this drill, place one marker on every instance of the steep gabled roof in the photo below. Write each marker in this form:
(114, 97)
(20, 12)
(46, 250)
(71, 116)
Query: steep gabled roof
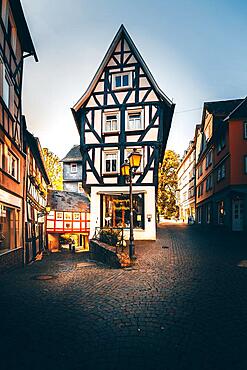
(122, 32)
(22, 28)
(223, 107)
(239, 112)
(60, 200)
(74, 155)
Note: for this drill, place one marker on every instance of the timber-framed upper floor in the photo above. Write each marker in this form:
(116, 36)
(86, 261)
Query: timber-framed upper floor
(123, 108)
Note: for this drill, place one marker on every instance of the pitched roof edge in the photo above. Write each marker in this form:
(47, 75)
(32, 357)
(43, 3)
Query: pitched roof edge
(235, 109)
(122, 30)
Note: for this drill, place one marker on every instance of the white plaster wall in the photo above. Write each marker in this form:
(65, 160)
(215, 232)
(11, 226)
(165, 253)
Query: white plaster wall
(149, 232)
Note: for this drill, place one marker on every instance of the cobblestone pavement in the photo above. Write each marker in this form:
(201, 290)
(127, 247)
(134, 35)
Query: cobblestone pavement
(183, 306)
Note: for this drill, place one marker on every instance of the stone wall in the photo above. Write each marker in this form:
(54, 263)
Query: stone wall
(107, 254)
(11, 259)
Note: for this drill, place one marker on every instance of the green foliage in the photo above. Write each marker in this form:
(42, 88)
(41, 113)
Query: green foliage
(168, 185)
(54, 169)
(109, 237)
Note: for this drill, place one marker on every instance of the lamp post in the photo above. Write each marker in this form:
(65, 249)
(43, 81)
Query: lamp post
(128, 170)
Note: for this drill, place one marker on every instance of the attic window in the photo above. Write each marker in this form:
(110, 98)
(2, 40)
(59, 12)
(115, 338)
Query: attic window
(73, 167)
(121, 80)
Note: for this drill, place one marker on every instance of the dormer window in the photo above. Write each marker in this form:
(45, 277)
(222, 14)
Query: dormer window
(134, 121)
(73, 167)
(122, 80)
(111, 123)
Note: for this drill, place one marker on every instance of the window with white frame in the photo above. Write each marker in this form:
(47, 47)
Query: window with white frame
(6, 87)
(245, 130)
(111, 123)
(134, 121)
(13, 166)
(122, 80)
(73, 167)
(111, 162)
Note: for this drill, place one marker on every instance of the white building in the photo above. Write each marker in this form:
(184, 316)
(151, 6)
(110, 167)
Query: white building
(186, 184)
(122, 109)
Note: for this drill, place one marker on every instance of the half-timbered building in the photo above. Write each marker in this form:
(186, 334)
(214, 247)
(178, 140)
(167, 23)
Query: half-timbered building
(72, 170)
(122, 109)
(69, 217)
(37, 181)
(15, 45)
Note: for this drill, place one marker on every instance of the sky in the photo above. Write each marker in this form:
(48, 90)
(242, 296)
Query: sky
(196, 50)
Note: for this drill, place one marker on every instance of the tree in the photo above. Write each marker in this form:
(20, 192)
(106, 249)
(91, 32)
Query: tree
(168, 185)
(54, 169)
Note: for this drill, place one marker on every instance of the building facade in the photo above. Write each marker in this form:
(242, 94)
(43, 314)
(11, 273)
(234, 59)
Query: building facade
(15, 45)
(122, 109)
(186, 184)
(221, 174)
(37, 182)
(72, 170)
(69, 217)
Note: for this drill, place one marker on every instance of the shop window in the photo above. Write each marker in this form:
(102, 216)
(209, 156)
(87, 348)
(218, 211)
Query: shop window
(116, 211)
(9, 228)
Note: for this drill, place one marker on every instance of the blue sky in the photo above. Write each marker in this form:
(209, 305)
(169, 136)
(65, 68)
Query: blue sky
(196, 51)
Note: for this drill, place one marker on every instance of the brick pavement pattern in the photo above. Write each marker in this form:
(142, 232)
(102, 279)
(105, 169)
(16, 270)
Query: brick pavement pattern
(183, 306)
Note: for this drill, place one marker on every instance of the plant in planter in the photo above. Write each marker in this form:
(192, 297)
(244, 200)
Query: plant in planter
(109, 237)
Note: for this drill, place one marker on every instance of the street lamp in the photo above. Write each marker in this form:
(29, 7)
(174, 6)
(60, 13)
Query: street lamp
(128, 170)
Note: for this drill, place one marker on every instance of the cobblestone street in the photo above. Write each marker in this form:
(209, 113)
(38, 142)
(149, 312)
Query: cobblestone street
(183, 306)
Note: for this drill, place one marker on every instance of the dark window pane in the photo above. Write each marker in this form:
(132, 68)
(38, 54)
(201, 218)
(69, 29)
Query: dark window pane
(125, 80)
(108, 165)
(118, 81)
(114, 165)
